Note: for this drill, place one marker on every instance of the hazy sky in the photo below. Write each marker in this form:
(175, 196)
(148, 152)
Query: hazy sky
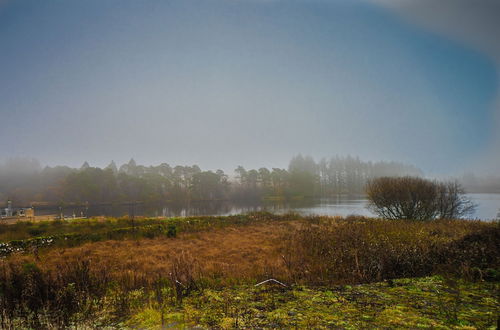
(226, 82)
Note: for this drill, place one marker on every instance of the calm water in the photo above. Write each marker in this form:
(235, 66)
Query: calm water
(488, 208)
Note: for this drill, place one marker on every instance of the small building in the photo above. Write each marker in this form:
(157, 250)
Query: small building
(11, 212)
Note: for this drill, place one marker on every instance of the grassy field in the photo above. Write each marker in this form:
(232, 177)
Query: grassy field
(182, 272)
(25, 229)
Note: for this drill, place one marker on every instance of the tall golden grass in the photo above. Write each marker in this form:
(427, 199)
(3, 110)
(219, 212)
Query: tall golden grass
(358, 250)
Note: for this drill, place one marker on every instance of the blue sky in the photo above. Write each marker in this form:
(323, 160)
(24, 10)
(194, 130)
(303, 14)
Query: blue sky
(221, 83)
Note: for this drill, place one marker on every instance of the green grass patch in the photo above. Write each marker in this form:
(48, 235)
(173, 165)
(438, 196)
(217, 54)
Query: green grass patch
(404, 303)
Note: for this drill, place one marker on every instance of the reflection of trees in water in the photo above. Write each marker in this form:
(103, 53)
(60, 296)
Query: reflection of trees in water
(166, 210)
(207, 208)
(184, 209)
(338, 205)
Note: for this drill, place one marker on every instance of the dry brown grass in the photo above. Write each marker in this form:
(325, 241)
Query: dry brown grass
(360, 250)
(311, 251)
(316, 250)
(56, 283)
(232, 253)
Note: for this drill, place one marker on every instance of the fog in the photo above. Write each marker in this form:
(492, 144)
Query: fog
(475, 24)
(225, 83)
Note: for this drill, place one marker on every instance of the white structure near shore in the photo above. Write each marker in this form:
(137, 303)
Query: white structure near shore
(11, 212)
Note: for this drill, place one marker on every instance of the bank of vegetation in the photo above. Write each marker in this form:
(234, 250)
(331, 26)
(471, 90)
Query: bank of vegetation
(337, 272)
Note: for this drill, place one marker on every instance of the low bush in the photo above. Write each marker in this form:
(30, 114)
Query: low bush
(417, 198)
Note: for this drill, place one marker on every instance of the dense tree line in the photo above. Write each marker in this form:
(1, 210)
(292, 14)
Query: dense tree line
(307, 178)
(25, 181)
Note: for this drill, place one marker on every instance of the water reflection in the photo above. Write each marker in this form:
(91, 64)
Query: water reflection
(488, 207)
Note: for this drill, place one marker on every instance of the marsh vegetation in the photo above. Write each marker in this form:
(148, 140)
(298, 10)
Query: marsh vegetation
(202, 271)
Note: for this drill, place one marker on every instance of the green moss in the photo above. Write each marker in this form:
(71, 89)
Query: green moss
(147, 318)
(407, 303)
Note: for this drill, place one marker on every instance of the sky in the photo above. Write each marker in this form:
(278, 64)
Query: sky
(222, 83)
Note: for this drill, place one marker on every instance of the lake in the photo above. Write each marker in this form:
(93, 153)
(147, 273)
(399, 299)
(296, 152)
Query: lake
(488, 208)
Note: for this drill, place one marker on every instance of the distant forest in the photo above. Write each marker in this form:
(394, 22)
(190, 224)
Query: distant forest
(24, 181)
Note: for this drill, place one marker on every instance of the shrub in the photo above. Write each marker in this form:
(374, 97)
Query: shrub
(417, 198)
(451, 201)
(171, 230)
(36, 231)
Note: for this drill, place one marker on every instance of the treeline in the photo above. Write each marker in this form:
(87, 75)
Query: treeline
(307, 178)
(25, 181)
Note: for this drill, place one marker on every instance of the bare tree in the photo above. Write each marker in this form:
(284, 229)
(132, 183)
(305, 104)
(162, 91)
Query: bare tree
(451, 201)
(417, 198)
